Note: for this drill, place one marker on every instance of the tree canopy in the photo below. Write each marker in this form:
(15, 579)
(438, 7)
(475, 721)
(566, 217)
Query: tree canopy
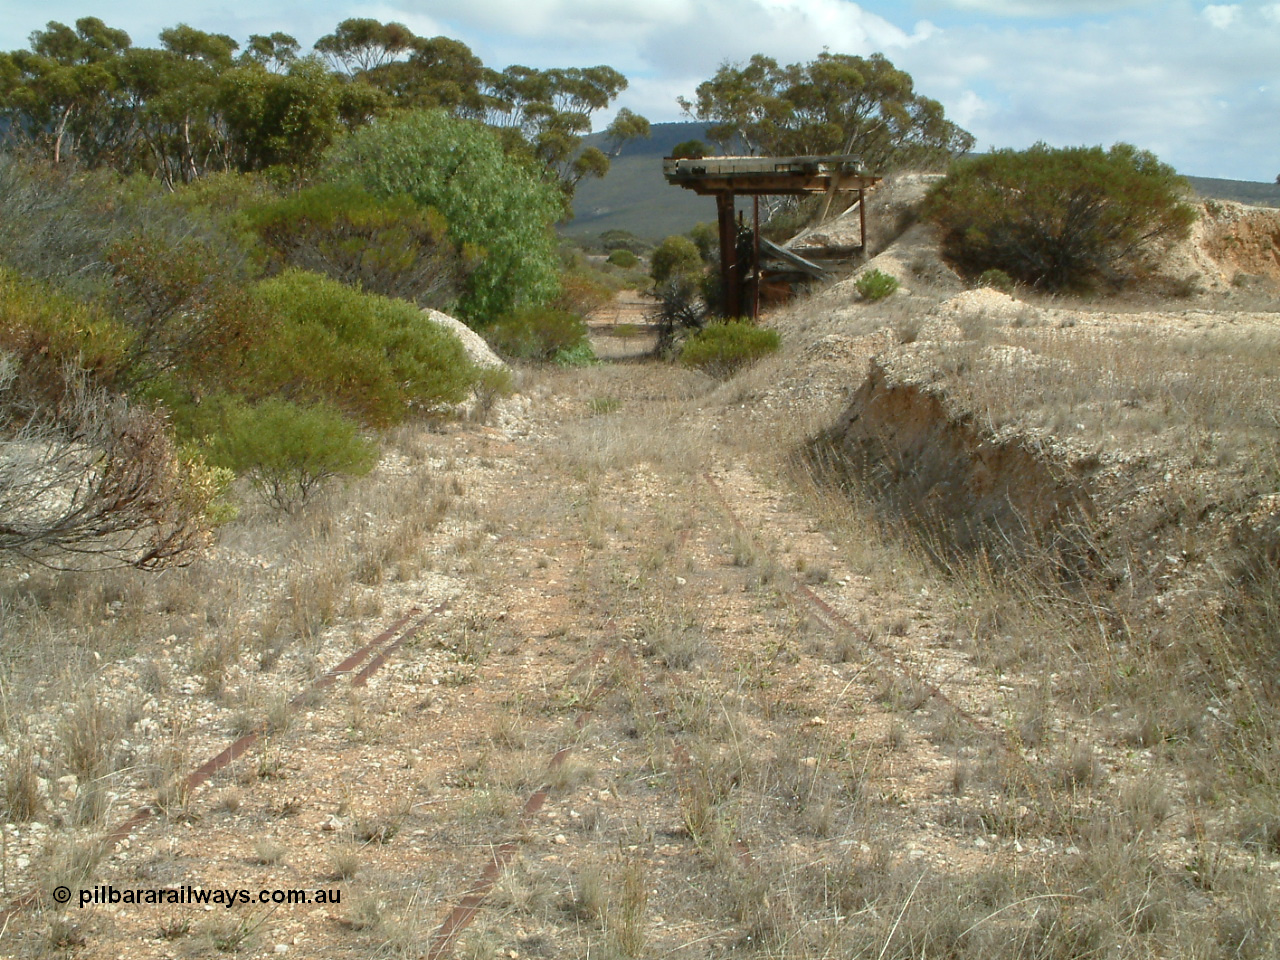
(836, 103)
(199, 104)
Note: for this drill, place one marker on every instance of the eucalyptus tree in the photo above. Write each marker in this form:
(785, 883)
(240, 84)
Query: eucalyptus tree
(360, 45)
(184, 114)
(438, 72)
(836, 103)
(542, 115)
(285, 120)
(275, 51)
(56, 94)
(546, 114)
(198, 104)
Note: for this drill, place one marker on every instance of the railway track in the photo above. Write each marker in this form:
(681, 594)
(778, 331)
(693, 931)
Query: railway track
(357, 668)
(606, 588)
(619, 662)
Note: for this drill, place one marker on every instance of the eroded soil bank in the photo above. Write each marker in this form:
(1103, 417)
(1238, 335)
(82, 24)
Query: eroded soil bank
(939, 468)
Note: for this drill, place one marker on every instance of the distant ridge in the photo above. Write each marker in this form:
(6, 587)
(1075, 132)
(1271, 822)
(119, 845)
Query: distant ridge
(635, 197)
(1242, 191)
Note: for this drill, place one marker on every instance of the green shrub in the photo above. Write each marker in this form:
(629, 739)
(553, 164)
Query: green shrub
(612, 240)
(1057, 218)
(389, 246)
(723, 349)
(221, 197)
(682, 288)
(44, 333)
(706, 237)
(287, 450)
(57, 223)
(603, 406)
(373, 357)
(675, 258)
(996, 279)
(681, 305)
(690, 148)
(492, 383)
(875, 285)
(583, 291)
(537, 333)
(499, 209)
(188, 310)
(623, 258)
(579, 355)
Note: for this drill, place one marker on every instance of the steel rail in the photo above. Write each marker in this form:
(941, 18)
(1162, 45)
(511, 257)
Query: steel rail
(374, 651)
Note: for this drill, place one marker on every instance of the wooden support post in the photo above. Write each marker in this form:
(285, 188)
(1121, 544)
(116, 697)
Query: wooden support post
(755, 266)
(862, 220)
(731, 289)
(826, 203)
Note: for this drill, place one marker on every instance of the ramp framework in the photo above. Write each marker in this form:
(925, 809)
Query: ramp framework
(726, 178)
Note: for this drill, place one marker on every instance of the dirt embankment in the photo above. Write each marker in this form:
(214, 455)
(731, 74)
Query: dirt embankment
(938, 465)
(1140, 438)
(1242, 240)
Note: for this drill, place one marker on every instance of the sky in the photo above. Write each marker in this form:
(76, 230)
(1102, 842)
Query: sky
(1197, 83)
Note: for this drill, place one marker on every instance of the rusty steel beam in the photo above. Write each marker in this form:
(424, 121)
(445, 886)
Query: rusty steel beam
(755, 252)
(862, 220)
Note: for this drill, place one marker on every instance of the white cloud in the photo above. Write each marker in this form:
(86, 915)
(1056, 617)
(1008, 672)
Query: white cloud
(566, 20)
(1222, 16)
(1161, 82)
(969, 110)
(1193, 81)
(711, 22)
(788, 30)
(143, 20)
(422, 24)
(1041, 8)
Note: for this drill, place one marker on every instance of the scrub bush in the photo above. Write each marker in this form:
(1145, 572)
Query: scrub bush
(674, 258)
(723, 349)
(1058, 218)
(390, 247)
(373, 357)
(287, 450)
(538, 333)
(876, 285)
(499, 209)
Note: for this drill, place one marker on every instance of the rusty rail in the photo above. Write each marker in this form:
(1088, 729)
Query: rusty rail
(834, 621)
(401, 630)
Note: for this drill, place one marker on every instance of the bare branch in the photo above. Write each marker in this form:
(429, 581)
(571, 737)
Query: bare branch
(95, 483)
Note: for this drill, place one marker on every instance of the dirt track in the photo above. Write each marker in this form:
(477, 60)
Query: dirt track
(661, 703)
(640, 626)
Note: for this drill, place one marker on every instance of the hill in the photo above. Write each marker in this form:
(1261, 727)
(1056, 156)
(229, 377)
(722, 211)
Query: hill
(1241, 191)
(635, 197)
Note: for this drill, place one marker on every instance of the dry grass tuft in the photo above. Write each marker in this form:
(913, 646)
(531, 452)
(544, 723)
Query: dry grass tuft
(630, 908)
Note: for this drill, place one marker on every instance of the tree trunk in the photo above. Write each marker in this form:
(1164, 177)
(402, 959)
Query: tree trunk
(62, 129)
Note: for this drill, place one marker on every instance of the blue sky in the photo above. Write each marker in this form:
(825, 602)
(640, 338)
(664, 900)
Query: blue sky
(1196, 82)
